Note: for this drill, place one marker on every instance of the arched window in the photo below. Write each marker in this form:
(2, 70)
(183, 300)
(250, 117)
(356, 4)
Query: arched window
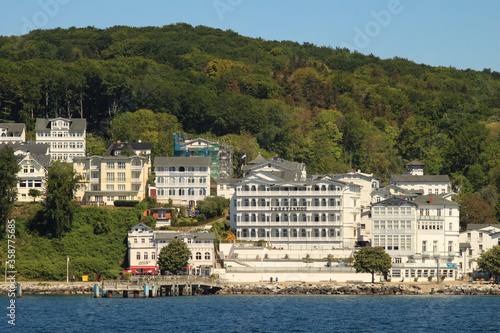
(316, 202)
(145, 256)
(277, 233)
(254, 188)
(138, 255)
(181, 169)
(303, 233)
(323, 188)
(323, 217)
(294, 232)
(245, 233)
(207, 255)
(323, 202)
(191, 169)
(198, 255)
(323, 233)
(153, 255)
(316, 232)
(171, 169)
(254, 218)
(252, 233)
(263, 202)
(285, 232)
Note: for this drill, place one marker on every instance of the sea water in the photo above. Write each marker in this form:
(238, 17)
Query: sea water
(252, 313)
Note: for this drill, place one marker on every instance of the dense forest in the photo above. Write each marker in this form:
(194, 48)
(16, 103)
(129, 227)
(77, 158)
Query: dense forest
(331, 108)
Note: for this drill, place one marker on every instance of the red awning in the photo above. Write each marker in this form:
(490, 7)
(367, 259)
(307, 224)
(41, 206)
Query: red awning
(150, 271)
(133, 271)
(145, 267)
(188, 267)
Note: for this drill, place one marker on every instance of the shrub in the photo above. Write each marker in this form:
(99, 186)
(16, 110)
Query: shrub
(125, 203)
(126, 276)
(200, 217)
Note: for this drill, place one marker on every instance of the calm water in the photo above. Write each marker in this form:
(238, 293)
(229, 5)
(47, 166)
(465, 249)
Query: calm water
(230, 313)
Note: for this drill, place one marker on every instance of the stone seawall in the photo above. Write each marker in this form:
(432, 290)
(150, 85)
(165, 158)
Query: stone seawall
(288, 289)
(52, 288)
(360, 289)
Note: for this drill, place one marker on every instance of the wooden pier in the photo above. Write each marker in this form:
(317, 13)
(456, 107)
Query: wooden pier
(162, 285)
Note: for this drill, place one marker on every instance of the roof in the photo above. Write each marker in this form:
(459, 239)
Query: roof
(258, 159)
(110, 152)
(134, 145)
(416, 163)
(14, 127)
(33, 148)
(278, 162)
(76, 124)
(394, 202)
(183, 161)
(166, 235)
(42, 159)
(420, 179)
(436, 200)
(471, 226)
(221, 181)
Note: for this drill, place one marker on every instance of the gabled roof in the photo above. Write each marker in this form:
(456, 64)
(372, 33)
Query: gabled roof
(420, 179)
(183, 161)
(437, 200)
(257, 160)
(43, 160)
(14, 127)
(134, 145)
(491, 227)
(76, 124)
(33, 148)
(110, 152)
(140, 226)
(394, 202)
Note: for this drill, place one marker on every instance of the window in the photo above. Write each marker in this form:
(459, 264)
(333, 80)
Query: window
(110, 187)
(138, 256)
(207, 255)
(111, 198)
(110, 165)
(110, 177)
(143, 240)
(121, 165)
(135, 240)
(198, 255)
(121, 188)
(424, 246)
(153, 255)
(450, 246)
(145, 256)
(397, 260)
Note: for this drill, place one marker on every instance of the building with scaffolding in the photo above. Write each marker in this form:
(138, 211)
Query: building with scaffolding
(221, 155)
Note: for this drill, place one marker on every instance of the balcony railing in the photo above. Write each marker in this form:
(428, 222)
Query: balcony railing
(136, 180)
(430, 217)
(95, 180)
(136, 167)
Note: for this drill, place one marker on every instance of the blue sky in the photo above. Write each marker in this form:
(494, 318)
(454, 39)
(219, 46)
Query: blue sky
(462, 34)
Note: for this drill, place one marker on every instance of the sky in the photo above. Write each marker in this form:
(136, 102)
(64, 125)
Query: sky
(457, 33)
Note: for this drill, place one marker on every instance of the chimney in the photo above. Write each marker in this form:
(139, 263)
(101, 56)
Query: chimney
(431, 198)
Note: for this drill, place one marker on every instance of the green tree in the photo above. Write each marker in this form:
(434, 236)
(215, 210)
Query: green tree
(96, 146)
(372, 260)
(174, 257)
(213, 206)
(475, 209)
(490, 261)
(33, 192)
(59, 206)
(8, 181)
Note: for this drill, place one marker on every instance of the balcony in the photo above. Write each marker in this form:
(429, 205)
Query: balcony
(430, 218)
(136, 180)
(95, 180)
(95, 167)
(136, 167)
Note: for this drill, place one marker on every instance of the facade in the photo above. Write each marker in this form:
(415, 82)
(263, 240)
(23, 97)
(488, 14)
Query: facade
(286, 212)
(185, 180)
(114, 176)
(221, 155)
(66, 137)
(415, 180)
(474, 241)
(419, 235)
(144, 246)
(32, 175)
(12, 132)
(163, 216)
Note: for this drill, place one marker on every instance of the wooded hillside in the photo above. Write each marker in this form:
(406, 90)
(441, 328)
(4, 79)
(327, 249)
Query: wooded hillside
(330, 108)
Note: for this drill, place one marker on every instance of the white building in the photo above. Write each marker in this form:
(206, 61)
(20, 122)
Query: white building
(296, 214)
(415, 180)
(12, 132)
(185, 180)
(419, 235)
(474, 241)
(144, 246)
(66, 137)
(275, 164)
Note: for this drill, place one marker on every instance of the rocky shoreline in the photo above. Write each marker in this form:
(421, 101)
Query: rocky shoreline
(360, 289)
(288, 289)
